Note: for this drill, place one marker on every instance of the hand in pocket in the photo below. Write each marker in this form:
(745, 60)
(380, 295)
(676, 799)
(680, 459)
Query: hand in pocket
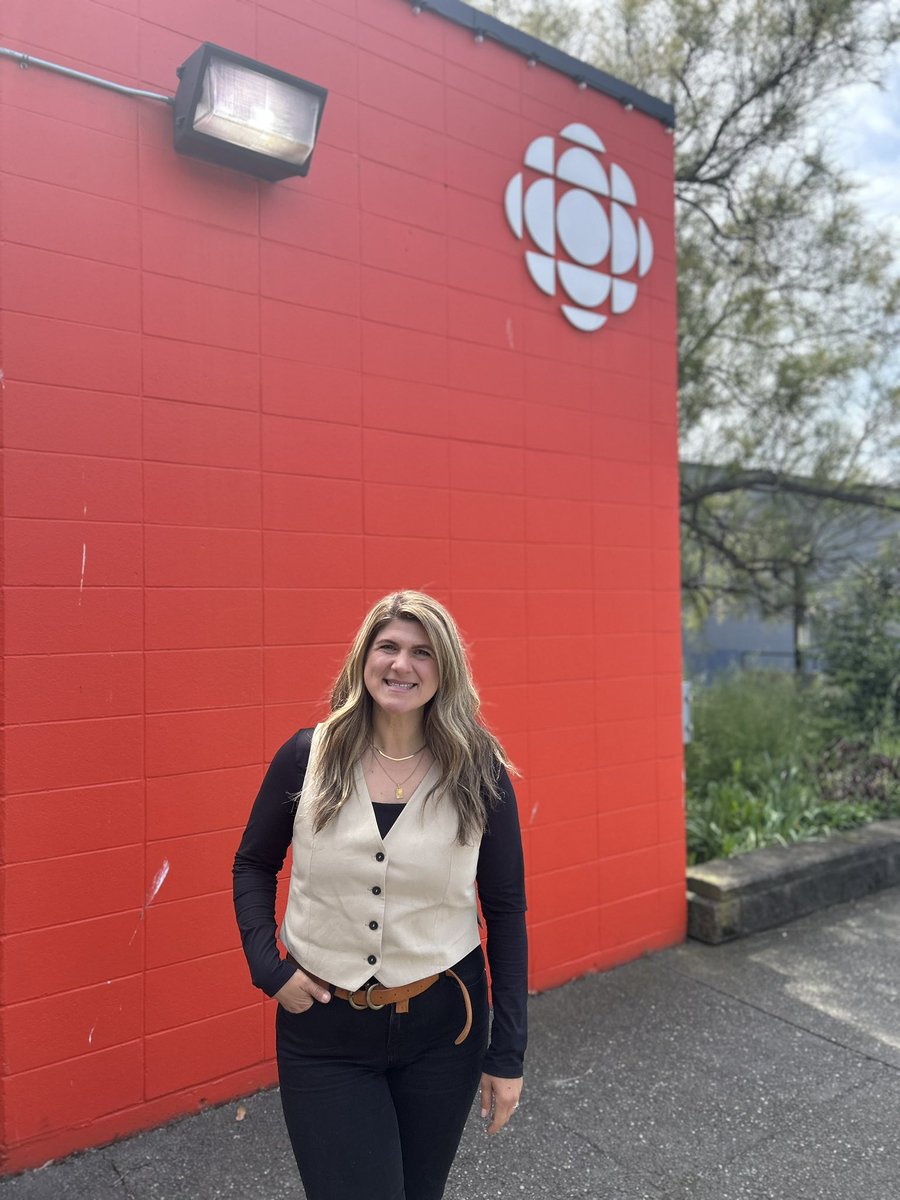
(300, 993)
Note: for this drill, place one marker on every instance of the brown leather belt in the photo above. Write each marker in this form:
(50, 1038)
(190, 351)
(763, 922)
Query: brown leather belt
(375, 996)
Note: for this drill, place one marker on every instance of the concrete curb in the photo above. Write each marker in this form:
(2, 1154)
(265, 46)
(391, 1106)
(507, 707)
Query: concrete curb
(734, 897)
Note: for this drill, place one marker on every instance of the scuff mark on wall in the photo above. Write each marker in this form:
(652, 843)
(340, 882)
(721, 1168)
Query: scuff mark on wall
(158, 880)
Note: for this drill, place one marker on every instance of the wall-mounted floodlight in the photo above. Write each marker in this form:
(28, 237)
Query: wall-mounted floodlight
(240, 113)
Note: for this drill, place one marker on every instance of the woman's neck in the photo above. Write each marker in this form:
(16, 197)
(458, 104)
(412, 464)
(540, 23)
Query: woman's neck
(398, 736)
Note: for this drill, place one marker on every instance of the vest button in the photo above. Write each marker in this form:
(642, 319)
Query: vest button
(379, 857)
(373, 924)
(376, 891)
(371, 960)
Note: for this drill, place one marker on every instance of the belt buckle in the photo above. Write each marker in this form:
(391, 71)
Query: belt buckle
(368, 1003)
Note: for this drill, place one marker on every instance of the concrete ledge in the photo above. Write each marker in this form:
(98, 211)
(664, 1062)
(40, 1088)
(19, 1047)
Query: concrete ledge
(733, 897)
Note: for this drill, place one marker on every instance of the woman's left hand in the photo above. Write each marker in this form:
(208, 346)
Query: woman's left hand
(499, 1100)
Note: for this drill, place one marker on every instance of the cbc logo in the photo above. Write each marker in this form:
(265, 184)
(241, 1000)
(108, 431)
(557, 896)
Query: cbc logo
(590, 221)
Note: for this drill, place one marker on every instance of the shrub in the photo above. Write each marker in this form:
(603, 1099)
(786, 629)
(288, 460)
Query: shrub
(859, 641)
(749, 725)
(766, 768)
(730, 817)
(862, 773)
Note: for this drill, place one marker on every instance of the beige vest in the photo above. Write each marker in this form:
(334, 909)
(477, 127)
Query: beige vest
(397, 909)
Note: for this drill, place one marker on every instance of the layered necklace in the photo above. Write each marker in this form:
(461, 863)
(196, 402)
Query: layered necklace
(397, 786)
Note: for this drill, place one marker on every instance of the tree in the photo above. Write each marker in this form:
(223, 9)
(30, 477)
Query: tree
(789, 302)
(859, 637)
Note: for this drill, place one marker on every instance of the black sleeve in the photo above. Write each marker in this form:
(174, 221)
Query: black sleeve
(501, 890)
(260, 857)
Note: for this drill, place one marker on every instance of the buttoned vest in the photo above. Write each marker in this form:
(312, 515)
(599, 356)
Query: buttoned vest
(397, 908)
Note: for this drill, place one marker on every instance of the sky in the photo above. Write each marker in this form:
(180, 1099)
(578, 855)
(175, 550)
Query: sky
(867, 140)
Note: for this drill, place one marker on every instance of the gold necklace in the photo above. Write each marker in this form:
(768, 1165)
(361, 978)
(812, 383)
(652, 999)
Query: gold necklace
(398, 787)
(405, 758)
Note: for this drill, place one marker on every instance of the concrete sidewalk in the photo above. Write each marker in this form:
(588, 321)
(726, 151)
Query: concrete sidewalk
(765, 1068)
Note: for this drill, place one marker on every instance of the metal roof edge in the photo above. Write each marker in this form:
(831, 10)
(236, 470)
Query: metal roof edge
(533, 48)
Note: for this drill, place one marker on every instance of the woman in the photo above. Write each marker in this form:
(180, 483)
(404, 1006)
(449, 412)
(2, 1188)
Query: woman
(396, 805)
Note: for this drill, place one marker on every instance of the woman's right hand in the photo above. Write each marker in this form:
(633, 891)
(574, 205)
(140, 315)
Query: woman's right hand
(300, 993)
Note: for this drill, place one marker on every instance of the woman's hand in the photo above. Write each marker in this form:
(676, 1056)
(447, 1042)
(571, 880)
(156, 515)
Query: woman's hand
(300, 993)
(499, 1100)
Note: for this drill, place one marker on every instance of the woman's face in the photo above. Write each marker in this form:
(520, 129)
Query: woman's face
(400, 672)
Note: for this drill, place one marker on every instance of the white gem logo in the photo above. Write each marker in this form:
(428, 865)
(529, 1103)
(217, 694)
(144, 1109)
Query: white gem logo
(586, 236)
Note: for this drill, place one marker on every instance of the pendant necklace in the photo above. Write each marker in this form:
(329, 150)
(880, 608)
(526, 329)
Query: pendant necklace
(398, 787)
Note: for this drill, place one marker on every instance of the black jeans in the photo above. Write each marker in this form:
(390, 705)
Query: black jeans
(375, 1101)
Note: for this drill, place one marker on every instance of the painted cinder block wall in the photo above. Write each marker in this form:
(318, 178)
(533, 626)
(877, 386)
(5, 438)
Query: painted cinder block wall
(234, 414)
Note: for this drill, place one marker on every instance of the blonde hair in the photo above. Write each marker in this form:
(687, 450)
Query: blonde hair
(468, 755)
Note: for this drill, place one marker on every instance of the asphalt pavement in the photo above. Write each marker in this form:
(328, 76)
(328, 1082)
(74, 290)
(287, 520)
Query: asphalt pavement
(756, 1070)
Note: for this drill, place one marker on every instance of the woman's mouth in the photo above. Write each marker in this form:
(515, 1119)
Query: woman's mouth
(398, 686)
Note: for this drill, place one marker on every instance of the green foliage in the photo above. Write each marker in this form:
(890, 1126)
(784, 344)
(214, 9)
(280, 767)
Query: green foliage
(731, 817)
(559, 23)
(863, 773)
(859, 641)
(749, 726)
(765, 767)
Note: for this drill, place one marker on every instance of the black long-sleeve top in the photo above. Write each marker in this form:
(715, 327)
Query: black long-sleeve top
(499, 878)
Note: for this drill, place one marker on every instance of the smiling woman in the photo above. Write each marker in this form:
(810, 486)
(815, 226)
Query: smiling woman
(401, 816)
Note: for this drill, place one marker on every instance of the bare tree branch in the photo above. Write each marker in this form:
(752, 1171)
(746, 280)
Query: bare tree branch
(774, 481)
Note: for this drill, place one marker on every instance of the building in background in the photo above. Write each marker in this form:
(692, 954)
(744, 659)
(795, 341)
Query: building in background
(235, 412)
(791, 553)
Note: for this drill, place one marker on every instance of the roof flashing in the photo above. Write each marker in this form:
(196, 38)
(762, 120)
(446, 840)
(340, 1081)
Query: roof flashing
(482, 25)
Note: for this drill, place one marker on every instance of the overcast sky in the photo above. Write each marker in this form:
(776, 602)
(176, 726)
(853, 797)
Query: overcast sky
(867, 138)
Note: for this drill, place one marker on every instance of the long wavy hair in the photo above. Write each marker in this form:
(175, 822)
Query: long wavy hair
(468, 755)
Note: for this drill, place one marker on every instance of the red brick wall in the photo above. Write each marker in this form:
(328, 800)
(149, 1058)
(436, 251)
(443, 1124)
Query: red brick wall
(234, 414)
